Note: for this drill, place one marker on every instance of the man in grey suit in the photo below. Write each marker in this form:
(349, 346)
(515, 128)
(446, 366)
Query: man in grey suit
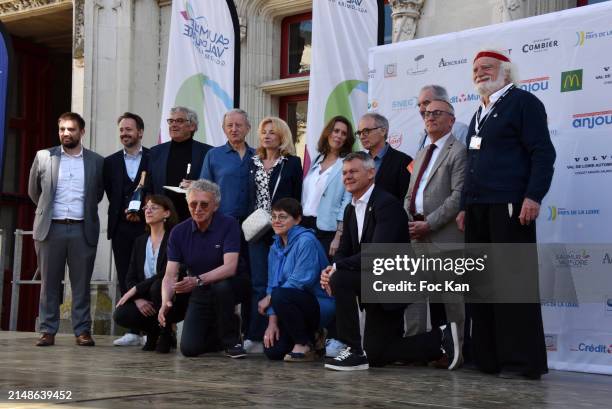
(434, 195)
(66, 185)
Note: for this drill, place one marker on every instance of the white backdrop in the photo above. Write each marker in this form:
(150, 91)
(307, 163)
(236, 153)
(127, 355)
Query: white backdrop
(200, 73)
(565, 59)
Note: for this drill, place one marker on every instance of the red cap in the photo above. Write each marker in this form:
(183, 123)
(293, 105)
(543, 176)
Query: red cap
(492, 54)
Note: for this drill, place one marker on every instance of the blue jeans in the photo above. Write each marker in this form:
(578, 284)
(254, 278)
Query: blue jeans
(258, 257)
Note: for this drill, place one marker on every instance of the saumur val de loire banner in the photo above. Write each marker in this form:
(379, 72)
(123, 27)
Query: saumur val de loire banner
(342, 32)
(564, 59)
(203, 64)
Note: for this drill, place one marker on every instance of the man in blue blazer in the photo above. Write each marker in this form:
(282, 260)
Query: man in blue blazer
(122, 171)
(66, 185)
(177, 160)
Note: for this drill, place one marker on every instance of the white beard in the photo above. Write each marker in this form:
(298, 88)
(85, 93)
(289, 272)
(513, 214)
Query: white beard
(489, 87)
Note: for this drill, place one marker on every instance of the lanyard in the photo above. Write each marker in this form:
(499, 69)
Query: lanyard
(481, 122)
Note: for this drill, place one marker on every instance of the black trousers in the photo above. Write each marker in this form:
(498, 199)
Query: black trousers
(324, 237)
(385, 344)
(129, 316)
(211, 323)
(346, 287)
(505, 337)
(298, 319)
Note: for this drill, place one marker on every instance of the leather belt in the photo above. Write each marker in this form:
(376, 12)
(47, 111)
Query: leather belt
(67, 221)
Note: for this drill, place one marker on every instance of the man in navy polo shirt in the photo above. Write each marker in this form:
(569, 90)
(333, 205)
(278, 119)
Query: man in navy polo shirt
(208, 243)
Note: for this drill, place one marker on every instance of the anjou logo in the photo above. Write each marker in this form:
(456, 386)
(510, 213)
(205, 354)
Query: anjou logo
(571, 80)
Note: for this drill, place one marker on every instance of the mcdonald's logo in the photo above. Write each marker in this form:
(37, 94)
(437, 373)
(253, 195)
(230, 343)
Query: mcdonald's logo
(571, 80)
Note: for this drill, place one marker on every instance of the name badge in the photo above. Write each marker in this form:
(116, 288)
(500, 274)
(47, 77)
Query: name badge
(475, 142)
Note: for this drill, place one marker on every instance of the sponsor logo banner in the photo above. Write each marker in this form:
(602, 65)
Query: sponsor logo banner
(571, 80)
(592, 120)
(538, 46)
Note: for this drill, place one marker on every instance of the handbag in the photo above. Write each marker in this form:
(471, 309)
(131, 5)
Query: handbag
(258, 223)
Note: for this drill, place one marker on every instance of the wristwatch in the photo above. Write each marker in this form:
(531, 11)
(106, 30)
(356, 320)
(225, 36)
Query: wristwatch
(199, 281)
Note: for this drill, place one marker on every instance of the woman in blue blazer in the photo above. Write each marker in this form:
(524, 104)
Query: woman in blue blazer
(275, 173)
(324, 197)
(295, 304)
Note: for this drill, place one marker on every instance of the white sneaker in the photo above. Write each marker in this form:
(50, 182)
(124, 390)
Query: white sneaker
(127, 340)
(143, 340)
(253, 347)
(333, 347)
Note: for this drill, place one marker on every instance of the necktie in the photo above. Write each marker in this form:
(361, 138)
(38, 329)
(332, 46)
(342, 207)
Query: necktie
(415, 189)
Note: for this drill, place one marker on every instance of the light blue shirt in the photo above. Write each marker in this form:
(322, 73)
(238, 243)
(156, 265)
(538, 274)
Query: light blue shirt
(150, 265)
(69, 201)
(132, 163)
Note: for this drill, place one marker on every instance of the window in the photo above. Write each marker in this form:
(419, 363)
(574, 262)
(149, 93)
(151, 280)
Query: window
(296, 43)
(294, 110)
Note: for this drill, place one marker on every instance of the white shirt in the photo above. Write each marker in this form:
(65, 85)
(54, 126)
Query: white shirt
(313, 188)
(418, 202)
(492, 99)
(360, 209)
(69, 202)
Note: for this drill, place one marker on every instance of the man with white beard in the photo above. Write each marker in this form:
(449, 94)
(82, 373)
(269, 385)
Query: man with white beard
(508, 173)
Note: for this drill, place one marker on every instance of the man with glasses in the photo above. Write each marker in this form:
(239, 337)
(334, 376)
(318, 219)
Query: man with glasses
(178, 160)
(427, 94)
(122, 172)
(392, 172)
(434, 196)
(208, 244)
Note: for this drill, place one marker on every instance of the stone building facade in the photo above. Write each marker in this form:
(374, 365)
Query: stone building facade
(116, 55)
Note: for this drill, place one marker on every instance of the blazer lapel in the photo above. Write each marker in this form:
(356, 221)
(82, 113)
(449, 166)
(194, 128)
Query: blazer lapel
(368, 216)
(87, 171)
(441, 158)
(333, 173)
(55, 164)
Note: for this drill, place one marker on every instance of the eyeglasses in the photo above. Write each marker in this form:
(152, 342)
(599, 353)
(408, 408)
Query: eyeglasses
(366, 131)
(280, 217)
(178, 121)
(195, 205)
(436, 114)
(151, 208)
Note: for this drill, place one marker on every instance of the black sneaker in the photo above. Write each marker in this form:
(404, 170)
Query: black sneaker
(237, 351)
(348, 360)
(450, 344)
(151, 343)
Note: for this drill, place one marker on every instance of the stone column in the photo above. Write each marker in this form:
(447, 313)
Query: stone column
(405, 16)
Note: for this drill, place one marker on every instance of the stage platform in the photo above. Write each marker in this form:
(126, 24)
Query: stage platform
(126, 377)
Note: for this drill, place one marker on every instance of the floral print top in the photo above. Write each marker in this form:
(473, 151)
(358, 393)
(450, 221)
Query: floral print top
(262, 181)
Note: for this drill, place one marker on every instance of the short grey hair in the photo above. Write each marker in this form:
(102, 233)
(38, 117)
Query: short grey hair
(367, 160)
(203, 185)
(448, 104)
(237, 111)
(438, 91)
(192, 116)
(379, 121)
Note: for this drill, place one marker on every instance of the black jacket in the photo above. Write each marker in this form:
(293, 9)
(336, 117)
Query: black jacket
(393, 175)
(516, 157)
(114, 178)
(135, 275)
(290, 184)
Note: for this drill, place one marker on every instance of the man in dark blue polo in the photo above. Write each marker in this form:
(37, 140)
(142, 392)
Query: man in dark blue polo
(208, 243)
(228, 165)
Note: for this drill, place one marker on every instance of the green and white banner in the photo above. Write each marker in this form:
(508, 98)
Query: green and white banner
(342, 33)
(203, 64)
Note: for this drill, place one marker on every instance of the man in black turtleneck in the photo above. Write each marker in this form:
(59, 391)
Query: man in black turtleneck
(180, 159)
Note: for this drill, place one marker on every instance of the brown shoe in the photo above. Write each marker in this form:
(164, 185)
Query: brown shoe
(46, 340)
(85, 339)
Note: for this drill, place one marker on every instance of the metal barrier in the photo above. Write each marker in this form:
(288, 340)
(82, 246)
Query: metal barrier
(17, 281)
